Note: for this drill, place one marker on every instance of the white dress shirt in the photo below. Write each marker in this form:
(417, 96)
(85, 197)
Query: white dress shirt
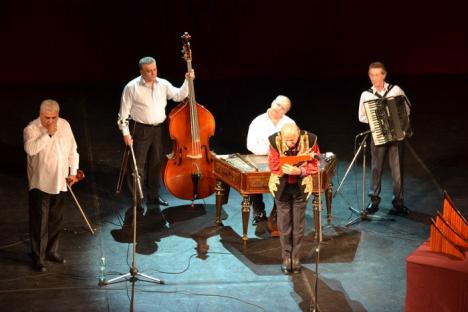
(367, 96)
(147, 105)
(260, 129)
(51, 159)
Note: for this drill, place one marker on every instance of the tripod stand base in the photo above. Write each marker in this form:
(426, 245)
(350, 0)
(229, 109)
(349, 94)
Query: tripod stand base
(364, 216)
(132, 276)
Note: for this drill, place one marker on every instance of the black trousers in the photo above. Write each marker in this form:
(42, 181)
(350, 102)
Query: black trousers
(291, 220)
(45, 222)
(148, 149)
(258, 205)
(395, 159)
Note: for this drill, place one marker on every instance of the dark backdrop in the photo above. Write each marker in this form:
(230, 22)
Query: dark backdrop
(245, 53)
(93, 41)
(82, 53)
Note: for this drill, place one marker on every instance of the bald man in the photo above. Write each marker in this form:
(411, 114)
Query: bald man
(291, 187)
(260, 129)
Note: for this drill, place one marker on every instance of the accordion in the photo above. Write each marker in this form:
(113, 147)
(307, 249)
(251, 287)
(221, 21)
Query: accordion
(388, 119)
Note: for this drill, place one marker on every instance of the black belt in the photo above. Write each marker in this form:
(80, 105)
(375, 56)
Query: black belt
(146, 125)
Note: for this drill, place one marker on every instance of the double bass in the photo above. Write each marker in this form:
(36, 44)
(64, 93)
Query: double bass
(188, 172)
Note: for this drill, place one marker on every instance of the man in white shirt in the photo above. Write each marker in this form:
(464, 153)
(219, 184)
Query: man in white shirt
(52, 159)
(381, 89)
(260, 129)
(144, 100)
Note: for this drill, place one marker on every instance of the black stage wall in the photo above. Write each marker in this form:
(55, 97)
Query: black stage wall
(95, 41)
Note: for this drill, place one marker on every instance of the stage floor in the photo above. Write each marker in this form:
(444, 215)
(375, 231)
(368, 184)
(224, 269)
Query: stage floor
(205, 267)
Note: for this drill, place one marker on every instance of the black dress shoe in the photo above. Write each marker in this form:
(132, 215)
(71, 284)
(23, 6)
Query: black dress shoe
(286, 266)
(372, 208)
(56, 258)
(162, 202)
(296, 266)
(39, 267)
(259, 218)
(157, 201)
(399, 210)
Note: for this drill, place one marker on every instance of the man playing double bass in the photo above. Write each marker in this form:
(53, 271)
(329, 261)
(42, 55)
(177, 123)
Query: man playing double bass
(144, 101)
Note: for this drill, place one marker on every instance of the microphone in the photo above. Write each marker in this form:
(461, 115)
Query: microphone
(364, 133)
(317, 156)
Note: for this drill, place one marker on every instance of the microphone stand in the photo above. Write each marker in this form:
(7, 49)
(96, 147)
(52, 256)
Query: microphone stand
(362, 214)
(134, 274)
(318, 235)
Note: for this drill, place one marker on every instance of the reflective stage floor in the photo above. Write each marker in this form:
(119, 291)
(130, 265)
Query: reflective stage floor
(207, 268)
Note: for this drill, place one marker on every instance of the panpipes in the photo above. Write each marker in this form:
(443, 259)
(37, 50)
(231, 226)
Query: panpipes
(294, 160)
(449, 231)
(454, 217)
(438, 242)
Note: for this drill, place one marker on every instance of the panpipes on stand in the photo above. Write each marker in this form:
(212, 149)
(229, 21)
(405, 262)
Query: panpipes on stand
(449, 231)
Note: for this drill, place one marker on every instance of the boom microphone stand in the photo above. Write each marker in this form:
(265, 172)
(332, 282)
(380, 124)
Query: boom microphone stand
(362, 214)
(134, 274)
